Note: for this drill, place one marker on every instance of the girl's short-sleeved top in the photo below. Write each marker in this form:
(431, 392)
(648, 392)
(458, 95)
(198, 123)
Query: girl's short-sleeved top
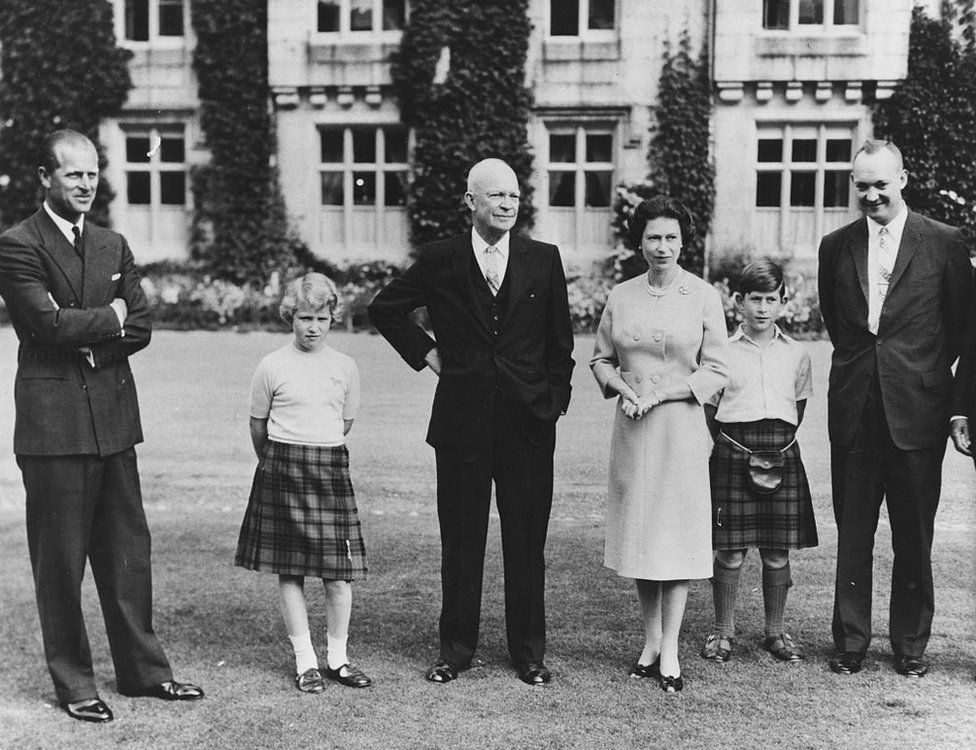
(305, 396)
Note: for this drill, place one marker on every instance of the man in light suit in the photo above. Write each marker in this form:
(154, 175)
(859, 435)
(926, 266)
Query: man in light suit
(894, 294)
(498, 308)
(72, 291)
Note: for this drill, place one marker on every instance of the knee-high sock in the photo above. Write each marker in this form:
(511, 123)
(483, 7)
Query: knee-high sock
(725, 587)
(776, 583)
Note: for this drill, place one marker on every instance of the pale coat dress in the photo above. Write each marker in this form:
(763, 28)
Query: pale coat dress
(658, 502)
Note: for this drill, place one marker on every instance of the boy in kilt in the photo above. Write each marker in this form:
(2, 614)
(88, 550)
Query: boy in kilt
(301, 518)
(760, 494)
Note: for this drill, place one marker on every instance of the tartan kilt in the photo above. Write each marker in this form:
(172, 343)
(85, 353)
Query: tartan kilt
(301, 517)
(743, 518)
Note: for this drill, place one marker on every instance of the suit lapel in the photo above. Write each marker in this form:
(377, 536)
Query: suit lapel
(461, 264)
(911, 238)
(61, 251)
(857, 245)
(518, 278)
(99, 266)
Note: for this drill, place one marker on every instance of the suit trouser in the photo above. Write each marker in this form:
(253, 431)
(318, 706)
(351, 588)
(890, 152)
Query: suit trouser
(868, 470)
(522, 472)
(90, 507)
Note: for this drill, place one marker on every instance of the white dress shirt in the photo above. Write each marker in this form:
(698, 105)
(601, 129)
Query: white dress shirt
(66, 226)
(501, 260)
(895, 229)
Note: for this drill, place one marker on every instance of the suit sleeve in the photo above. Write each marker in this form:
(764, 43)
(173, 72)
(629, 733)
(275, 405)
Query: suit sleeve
(825, 289)
(25, 288)
(138, 323)
(962, 384)
(390, 313)
(958, 293)
(559, 338)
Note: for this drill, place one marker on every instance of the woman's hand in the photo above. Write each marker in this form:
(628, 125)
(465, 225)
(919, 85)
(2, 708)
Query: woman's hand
(628, 403)
(647, 403)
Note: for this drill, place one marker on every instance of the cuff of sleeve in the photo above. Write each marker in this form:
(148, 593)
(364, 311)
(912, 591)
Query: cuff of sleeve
(954, 417)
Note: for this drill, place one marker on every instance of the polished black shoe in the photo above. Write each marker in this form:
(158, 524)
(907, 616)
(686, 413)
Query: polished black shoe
(846, 662)
(310, 681)
(441, 672)
(94, 711)
(647, 671)
(171, 690)
(533, 673)
(671, 684)
(909, 666)
(349, 675)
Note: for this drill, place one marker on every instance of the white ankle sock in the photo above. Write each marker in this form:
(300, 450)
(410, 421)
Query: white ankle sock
(304, 652)
(337, 651)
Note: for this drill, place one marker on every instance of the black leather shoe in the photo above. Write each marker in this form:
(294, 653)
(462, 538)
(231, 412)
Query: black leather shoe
(533, 673)
(647, 671)
(95, 711)
(909, 666)
(168, 691)
(349, 675)
(671, 684)
(846, 662)
(441, 672)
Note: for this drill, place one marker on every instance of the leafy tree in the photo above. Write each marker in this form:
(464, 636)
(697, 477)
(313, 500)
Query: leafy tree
(241, 231)
(930, 117)
(479, 110)
(61, 69)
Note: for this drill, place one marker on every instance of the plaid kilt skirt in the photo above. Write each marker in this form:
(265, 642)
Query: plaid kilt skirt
(743, 518)
(301, 517)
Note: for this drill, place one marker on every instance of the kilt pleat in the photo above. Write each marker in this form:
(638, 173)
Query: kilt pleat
(301, 516)
(743, 518)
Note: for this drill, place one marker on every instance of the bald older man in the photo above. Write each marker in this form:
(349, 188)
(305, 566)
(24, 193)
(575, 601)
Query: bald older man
(498, 308)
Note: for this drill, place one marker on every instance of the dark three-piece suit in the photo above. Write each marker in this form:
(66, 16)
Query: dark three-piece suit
(505, 379)
(76, 425)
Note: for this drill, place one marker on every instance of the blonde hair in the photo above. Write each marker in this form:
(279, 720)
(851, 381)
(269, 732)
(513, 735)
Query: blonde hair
(314, 291)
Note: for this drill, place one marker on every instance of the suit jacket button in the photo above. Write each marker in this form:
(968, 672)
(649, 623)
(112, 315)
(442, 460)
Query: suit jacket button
(84, 387)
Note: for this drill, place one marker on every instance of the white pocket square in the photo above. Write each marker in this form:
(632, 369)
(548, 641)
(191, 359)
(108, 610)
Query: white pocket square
(116, 276)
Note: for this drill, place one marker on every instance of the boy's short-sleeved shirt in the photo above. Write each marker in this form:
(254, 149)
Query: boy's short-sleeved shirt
(305, 396)
(765, 381)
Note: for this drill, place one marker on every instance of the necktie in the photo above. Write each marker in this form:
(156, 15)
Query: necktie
(492, 275)
(78, 249)
(886, 262)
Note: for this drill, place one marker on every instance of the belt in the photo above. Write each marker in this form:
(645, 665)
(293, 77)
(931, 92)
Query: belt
(48, 354)
(741, 447)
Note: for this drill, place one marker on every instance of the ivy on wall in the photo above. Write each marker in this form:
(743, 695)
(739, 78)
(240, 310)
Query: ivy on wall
(240, 230)
(459, 75)
(54, 76)
(679, 158)
(930, 117)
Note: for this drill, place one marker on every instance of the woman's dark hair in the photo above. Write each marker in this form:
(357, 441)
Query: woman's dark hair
(662, 206)
(761, 276)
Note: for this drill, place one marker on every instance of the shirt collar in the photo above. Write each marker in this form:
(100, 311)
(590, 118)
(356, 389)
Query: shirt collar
(64, 225)
(895, 227)
(479, 244)
(741, 334)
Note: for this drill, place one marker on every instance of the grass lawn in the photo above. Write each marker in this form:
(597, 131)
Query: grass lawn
(222, 628)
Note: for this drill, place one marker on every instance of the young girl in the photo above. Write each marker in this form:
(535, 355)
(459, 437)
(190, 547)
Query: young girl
(759, 499)
(301, 517)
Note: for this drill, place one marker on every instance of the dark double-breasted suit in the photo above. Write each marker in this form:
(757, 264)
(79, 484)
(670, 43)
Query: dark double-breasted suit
(76, 425)
(505, 379)
(888, 416)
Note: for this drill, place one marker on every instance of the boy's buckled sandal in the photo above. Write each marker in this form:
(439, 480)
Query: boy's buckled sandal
(783, 647)
(718, 647)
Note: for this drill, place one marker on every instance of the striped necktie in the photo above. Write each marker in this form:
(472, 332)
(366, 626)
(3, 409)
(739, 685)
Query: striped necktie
(78, 247)
(886, 262)
(491, 270)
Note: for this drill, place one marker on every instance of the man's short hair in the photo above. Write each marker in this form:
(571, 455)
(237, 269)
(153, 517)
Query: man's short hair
(49, 156)
(761, 275)
(875, 145)
(314, 291)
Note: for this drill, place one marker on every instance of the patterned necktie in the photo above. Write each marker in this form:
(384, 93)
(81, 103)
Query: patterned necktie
(885, 262)
(78, 249)
(491, 269)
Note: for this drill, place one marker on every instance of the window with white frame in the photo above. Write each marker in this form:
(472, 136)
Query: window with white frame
(355, 16)
(146, 20)
(802, 181)
(580, 17)
(810, 14)
(363, 179)
(155, 167)
(579, 171)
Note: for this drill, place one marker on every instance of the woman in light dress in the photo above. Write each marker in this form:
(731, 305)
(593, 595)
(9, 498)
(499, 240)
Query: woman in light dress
(660, 349)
